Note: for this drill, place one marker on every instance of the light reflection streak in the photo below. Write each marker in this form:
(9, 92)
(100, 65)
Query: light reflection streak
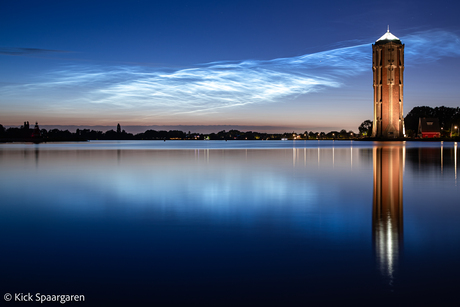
(293, 156)
(305, 157)
(387, 216)
(333, 156)
(455, 161)
(318, 156)
(442, 157)
(404, 158)
(351, 157)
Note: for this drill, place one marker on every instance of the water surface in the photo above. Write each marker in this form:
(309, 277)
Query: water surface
(232, 223)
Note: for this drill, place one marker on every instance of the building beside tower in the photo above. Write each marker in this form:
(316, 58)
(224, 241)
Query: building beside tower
(388, 68)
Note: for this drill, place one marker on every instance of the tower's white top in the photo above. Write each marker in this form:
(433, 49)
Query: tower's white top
(388, 37)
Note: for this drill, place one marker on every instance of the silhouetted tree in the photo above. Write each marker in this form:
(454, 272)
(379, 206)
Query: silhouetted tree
(58, 134)
(365, 128)
(111, 135)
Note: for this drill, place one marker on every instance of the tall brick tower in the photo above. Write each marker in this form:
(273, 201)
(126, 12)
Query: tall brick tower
(388, 68)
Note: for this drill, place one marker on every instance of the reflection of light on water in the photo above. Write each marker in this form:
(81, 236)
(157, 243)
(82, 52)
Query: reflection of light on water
(305, 157)
(387, 207)
(351, 157)
(455, 161)
(318, 157)
(442, 157)
(404, 158)
(333, 156)
(388, 249)
(293, 156)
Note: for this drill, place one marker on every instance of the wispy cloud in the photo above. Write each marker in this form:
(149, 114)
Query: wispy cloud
(216, 86)
(431, 46)
(27, 51)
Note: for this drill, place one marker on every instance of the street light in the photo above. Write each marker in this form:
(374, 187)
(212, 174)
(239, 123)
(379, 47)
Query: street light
(456, 127)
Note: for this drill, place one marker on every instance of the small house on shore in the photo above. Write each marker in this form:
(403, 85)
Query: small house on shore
(429, 128)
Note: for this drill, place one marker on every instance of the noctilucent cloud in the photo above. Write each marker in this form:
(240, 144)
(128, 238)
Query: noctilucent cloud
(60, 79)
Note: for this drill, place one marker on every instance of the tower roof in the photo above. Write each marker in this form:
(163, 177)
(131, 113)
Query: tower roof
(388, 37)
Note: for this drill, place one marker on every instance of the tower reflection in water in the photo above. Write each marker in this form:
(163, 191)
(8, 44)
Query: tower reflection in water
(387, 211)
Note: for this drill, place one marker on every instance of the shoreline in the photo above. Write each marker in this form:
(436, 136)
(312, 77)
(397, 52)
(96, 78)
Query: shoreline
(38, 141)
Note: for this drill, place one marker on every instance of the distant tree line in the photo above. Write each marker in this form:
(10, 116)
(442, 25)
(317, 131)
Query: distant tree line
(25, 133)
(449, 118)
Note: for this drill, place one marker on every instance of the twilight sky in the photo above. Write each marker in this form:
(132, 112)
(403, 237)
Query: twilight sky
(281, 65)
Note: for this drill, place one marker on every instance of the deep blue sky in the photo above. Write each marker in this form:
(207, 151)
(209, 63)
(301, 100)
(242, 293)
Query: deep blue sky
(300, 65)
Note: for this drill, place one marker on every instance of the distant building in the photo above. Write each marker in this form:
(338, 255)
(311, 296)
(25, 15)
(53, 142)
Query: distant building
(429, 128)
(388, 68)
(36, 132)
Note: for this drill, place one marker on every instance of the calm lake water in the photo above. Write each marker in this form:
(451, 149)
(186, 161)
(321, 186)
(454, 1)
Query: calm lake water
(235, 223)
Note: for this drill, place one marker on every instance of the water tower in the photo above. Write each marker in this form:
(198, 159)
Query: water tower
(388, 68)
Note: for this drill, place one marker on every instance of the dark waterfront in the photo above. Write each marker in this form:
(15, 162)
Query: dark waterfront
(217, 223)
